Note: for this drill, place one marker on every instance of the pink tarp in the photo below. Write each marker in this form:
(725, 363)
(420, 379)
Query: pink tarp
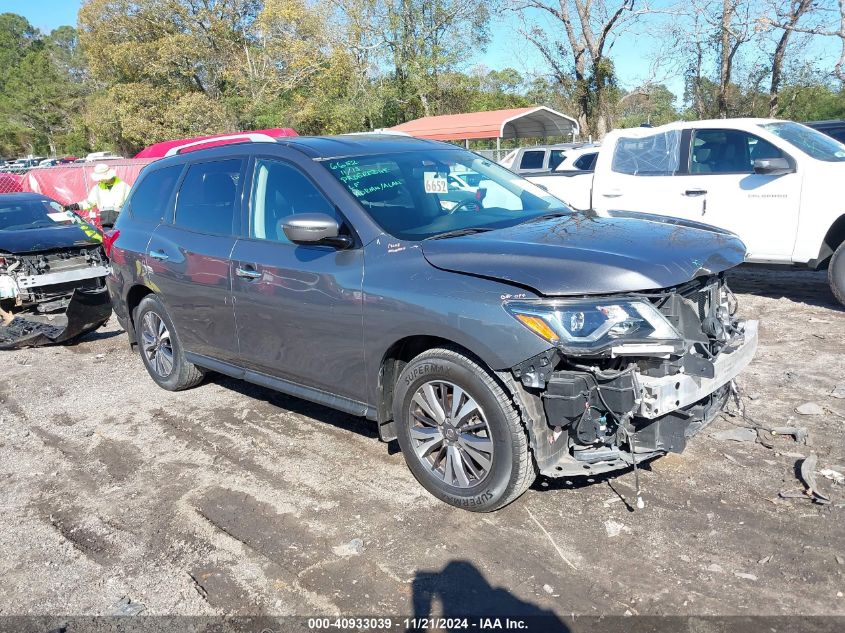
(10, 183)
(160, 149)
(71, 183)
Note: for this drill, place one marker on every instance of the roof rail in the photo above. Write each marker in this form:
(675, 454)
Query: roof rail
(249, 136)
(382, 130)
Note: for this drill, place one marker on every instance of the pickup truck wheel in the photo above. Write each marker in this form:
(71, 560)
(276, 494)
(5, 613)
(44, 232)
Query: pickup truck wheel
(161, 349)
(460, 433)
(836, 273)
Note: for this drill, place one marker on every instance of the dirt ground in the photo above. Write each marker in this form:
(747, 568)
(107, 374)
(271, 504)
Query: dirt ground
(232, 499)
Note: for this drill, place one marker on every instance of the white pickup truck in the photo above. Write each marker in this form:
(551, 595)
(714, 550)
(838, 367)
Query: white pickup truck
(777, 184)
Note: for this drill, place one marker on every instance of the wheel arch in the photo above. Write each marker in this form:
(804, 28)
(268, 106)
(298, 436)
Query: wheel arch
(394, 359)
(134, 297)
(834, 238)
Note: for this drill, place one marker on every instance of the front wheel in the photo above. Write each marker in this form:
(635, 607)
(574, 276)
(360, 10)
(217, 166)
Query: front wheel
(836, 273)
(460, 433)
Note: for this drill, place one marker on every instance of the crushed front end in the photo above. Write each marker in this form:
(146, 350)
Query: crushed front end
(629, 377)
(52, 296)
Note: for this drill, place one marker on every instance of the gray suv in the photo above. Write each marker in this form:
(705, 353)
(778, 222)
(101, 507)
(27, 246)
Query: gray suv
(492, 331)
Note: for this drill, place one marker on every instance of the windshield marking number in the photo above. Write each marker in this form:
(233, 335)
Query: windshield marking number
(434, 184)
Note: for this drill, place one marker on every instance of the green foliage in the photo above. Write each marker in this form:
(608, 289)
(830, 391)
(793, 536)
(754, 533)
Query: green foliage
(40, 88)
(654, 105)
(141, 71)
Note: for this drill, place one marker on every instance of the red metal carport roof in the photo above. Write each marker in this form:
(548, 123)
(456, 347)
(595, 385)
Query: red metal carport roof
(538, 121)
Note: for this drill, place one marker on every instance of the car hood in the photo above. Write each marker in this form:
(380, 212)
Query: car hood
(581, 254)
(44, 239)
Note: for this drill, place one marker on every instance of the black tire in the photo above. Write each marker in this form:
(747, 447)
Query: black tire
(181, 374)
(836, 273)
(511, 468)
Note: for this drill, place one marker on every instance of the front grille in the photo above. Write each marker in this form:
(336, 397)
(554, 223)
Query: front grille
(57, 264)
(61, 261)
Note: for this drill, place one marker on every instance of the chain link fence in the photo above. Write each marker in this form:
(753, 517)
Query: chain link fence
(493, 154)
(70, 182)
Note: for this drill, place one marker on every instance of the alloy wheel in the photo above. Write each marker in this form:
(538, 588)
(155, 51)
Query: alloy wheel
(156, 343)
(450, 434)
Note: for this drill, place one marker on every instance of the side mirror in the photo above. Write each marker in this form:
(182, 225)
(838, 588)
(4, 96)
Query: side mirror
(772, 166)
(315, 228)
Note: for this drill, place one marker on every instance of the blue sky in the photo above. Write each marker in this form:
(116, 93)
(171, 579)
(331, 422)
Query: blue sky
(44, 14)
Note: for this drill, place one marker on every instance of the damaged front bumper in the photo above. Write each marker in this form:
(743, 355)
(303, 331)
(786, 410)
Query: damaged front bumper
(667, 393)
(53, 296)
(85, 312)
(585, 420)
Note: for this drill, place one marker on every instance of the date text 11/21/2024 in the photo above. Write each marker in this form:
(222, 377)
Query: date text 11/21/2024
(415, 624)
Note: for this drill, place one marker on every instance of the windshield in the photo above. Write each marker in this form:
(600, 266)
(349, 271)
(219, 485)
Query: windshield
(32, 214)
(808, 140)
(417, 195)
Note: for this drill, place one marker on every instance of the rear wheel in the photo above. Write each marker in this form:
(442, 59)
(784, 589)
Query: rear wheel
(161, 349)
(836, 273)
(460, 433)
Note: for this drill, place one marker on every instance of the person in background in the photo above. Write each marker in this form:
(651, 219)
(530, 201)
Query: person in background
(108, 195)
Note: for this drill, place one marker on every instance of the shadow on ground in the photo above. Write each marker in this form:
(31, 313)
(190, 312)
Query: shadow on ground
(298, 406)
(461, 590)
(776, 282)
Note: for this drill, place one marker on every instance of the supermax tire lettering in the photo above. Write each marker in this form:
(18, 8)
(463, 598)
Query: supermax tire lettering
(422, 370)
(470, 501)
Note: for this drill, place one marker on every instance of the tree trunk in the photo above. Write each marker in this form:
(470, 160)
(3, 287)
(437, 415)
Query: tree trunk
(780, 52)
(839, 68)
(725, 57)
(582, 92)
(777, 69)
(600, 111)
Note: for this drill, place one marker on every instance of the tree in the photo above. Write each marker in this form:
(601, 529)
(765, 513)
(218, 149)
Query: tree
(37, 90)
(17, 38)
(735, 28)
(654, 105)
(425, 39)
(589, 28)
(787, 17)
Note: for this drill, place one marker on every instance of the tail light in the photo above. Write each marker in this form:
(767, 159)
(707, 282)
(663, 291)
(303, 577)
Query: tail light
(108, 241)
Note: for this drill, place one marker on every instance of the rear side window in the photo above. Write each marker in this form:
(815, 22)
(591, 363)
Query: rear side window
(208, 198)
(836, 132)
(532, 160)
(655, 155)
(587, 162)
(149, 200)
(556, 157)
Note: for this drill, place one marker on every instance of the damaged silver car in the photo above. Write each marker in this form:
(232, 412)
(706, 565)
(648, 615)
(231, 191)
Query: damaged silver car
(52, 273)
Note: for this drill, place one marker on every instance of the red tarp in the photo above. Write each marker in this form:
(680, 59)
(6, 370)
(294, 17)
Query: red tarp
(160, 149)
(71, 183)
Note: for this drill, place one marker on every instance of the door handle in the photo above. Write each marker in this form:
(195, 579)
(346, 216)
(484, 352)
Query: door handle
(612, 193)
(159, 255)
(247, 272)
(695, 192)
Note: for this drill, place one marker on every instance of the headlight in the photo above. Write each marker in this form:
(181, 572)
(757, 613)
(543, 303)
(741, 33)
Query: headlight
(591, 326)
